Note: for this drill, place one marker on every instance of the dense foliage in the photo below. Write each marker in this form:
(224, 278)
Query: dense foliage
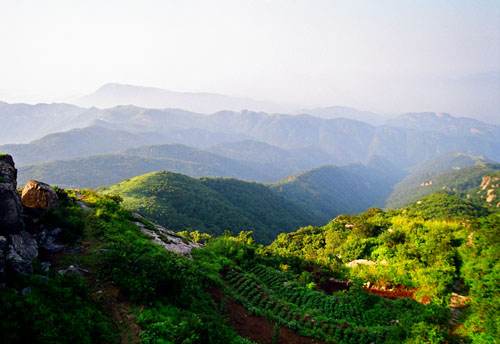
(434, 246)
(481, 272)
(57, 310)
(211, 205)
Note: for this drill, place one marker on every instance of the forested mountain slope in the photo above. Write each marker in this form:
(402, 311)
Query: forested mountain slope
(328, 191)
(478, 182)
(211, 205)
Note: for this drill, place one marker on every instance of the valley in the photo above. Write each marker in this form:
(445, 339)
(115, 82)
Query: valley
(250, 172)
(250, 227)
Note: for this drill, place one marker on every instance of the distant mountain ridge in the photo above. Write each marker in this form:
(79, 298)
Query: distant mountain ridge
(404, 141)
(247, 160)
(22, 123)
(101, 170)
(114, 94)
(444, 123)
(332, 112)
(76, 143)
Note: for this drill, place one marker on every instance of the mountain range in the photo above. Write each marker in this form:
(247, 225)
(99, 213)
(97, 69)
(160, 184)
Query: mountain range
(113, 94)
(318, 159)
(406, 141)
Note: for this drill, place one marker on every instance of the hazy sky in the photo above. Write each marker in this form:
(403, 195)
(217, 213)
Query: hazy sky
(388, 56)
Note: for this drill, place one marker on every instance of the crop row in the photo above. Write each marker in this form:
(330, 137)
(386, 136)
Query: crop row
(255, 291)
(355, 311)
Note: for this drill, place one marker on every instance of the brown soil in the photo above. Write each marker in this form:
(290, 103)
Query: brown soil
(254, 327)
(326, 283)
(330, 285)
(396, 293)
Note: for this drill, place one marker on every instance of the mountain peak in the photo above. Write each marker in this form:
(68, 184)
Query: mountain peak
(112, 94)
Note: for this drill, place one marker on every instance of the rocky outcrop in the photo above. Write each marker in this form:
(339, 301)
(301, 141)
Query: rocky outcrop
(11, 207)
(39, 195)
(168, 239)
(360, 262)
(19, 243)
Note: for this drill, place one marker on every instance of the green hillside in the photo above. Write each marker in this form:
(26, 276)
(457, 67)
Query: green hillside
(211, 205)
(429, 250)
(478, 183)
(328, 191)
(297, 290)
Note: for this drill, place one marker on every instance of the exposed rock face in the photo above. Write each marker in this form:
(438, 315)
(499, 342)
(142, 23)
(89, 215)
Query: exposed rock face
(11, 208)
(24, 244)
(168, 239)
(39, 195)
(360, 262)
(17, 263)
(17, 246)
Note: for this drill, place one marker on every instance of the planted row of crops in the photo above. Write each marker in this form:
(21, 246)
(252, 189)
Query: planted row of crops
(270, 293)
(359, 310)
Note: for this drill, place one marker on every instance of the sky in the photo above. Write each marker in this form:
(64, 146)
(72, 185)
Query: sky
(383, 56)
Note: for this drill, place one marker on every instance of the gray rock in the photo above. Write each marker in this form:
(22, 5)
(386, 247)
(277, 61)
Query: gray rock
(24, 244)
(18, 263)
(39, 195)
(25, 291)
(50, 246)
(41, 237)
(56, 232)
(45, 266)
(11, 208)
(3, 243)
(70, 270)
(83, 206)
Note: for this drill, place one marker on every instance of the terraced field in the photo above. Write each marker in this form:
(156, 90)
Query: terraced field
(341, 318)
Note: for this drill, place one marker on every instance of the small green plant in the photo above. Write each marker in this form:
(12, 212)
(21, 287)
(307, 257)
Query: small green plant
(276, 334)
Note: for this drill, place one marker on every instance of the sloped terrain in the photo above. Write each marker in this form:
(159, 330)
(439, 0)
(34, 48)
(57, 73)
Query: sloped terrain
(211, 205)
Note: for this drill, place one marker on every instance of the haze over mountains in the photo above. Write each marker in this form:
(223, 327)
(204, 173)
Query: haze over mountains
(112, 94)
(312, 158)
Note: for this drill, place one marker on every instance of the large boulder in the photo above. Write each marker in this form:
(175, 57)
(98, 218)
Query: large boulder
(39, 195)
